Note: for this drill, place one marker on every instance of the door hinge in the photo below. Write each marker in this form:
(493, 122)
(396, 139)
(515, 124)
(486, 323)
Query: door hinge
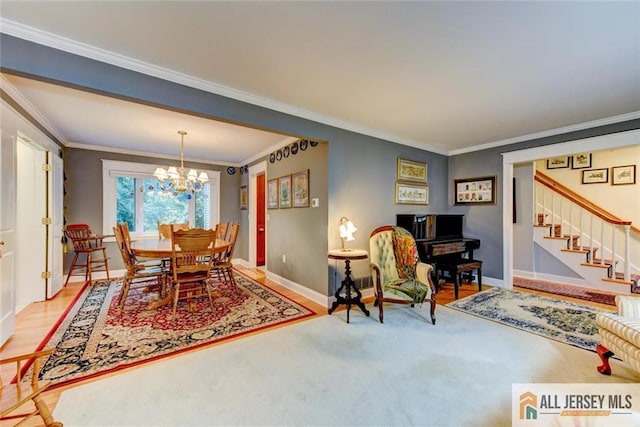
(45, 275)
(46, 221)
(46, 167)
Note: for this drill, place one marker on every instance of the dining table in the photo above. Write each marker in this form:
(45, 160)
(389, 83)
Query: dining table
(161, 249)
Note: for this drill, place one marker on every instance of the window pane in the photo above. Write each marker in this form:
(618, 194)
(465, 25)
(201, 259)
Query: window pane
(126, 201)
(163, 206)
(203, 206)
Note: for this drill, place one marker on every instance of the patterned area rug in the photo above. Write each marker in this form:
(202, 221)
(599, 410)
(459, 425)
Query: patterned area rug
(563, 321)
(566, 290)
(93, 339)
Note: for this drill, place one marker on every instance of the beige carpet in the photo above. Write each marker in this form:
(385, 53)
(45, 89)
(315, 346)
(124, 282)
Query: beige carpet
(325, 372)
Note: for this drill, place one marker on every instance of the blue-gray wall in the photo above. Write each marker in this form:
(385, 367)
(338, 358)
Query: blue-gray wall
(360, 169)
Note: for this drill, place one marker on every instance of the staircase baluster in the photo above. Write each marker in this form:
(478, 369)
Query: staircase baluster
(553, 215)
(570, 241)
(581, 228)
(601, 242)
(591, 253)
(613, 251)
(627, 253)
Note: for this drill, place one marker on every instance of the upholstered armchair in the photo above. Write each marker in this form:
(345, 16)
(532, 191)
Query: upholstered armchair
(397, 273)
(620, 334)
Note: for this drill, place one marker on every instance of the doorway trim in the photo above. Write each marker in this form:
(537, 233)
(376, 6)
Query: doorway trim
(597, 143)
(254, 171)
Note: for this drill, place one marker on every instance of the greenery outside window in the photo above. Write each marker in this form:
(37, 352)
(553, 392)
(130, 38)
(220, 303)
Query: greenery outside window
(132, 195)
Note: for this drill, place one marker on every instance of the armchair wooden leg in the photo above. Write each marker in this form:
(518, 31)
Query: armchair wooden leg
(433, 311)
(380, 303)
(605, 354)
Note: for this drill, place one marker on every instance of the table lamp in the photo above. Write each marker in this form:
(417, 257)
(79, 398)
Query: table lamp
(346, 232)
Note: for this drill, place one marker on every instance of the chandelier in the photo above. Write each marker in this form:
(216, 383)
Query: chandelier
(175, 178)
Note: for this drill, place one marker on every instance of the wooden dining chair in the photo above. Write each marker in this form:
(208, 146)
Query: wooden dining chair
(89, 247)
(16, 394)
(164, 230)
(137, 273)
(222, 263)
(223, 227)
(192, 254)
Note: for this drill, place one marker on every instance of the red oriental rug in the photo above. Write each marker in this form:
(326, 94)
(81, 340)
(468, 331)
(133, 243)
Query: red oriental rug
(586, 294)
(92, 338)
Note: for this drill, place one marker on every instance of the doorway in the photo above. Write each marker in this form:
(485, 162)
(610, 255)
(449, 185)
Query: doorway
(259, 169)
(622, 139)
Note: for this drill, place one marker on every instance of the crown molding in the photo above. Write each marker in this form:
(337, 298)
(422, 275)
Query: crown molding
(127, 151)
(23, 102)
(552, 132)
(71, 46)
(74, 47)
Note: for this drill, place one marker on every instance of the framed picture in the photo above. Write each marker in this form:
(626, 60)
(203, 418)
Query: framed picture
(244, 197)
(412, 194)
(272, 194)
(284, 192)
(581, 161)
(558, 162)
(301, 189)
(411, 171)
(622, 175)
(475, 191)
(595, 176)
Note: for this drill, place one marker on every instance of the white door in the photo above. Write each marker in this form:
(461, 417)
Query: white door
(30, 231)
(54, 233)
(7, 233)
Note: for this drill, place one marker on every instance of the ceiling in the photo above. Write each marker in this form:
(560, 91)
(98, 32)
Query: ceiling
(448, 77)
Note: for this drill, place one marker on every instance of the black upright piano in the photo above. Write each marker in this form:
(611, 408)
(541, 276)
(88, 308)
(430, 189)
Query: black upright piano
(440, 242)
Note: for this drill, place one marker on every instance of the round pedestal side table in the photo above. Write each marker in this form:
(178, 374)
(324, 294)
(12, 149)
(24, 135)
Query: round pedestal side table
(348, 285)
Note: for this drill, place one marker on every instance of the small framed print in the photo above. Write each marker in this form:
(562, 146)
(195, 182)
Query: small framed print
(284, 192)
(272, 194)
(581, 161)
(475, 191)
(411, 171)
(412, 194)
(558, 162)
(300, 183)
(623, 175)
(244, 198)
(595, 176)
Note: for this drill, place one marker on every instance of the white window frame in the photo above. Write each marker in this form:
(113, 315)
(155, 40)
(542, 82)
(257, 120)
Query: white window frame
(111, 169)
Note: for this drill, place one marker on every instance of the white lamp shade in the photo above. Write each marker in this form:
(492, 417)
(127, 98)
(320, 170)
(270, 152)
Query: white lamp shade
(172, 172)
(203, 177)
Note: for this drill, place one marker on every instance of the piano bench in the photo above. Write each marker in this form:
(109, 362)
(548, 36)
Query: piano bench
(462, 268)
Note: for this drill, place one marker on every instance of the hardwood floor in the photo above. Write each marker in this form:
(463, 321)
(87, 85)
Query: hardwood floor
(34, 323)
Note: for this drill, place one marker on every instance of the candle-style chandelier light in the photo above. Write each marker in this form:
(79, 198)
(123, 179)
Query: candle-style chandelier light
(176, 178)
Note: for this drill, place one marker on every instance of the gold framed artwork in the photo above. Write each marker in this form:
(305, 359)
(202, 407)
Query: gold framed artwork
(581, 161)
(300, 183)
(412, 194)
(244, 198)
(595, 176)
(623, 175)
(272, 194)
(284, 192)
(411, 171)
(475, 191)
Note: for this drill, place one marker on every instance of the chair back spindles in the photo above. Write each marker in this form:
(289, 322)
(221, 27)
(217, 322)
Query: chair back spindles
(87, 245)
(164, 230)
(192, 254)
(223, 227)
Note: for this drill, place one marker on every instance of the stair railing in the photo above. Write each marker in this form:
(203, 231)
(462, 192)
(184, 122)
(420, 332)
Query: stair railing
(550, 200)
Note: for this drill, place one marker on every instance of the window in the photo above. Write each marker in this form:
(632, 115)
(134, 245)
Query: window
(131, 195)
